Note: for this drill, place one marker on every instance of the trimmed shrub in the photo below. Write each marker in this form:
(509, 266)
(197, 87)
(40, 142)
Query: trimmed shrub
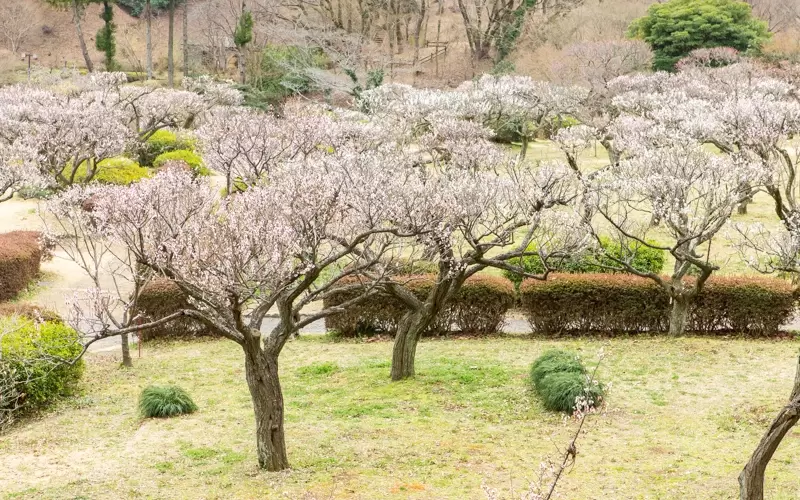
(160, 298)
(21, 255)
(554, 361)
(163, 402)
(619, 303)
(559, 378)
(120, 171)
(190, 158)
(749, 305)
(478, 308)
(163, 141)
(38, 364)
(644, 259)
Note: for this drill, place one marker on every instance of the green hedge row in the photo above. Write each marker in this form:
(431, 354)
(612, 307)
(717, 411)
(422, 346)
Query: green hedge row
(21, 254)
(615, 303)
(478, 308)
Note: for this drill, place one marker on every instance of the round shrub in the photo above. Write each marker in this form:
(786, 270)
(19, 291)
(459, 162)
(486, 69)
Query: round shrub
(554, 361)
(560, 390)
(162, 402)
(191, 158)
(39, 362)
(119, 171)
(162, 141)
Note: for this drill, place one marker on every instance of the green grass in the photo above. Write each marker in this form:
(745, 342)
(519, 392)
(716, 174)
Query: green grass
(683, 416)
(722, 250)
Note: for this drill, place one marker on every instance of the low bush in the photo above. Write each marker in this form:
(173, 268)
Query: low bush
(559, 379)
(619, 303)
(190, 158)
(478, 308)
(160, 298)
(164, 402)
(21, 255)
(163, 141)
(641, 258)
(38, 364)
(560, 391)
(554, 361)
(120, 171)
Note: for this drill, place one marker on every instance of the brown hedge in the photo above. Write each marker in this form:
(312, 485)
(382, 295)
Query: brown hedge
(30, 311)
(616, 303)
(21, 254)
(159, 298)
(478, 308)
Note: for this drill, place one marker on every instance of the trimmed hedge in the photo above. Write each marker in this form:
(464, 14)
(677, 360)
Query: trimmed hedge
(620, 303)
(559, 378)
(120, 171)
(190, 158)
(478, 308)
(162, 141)
(645, 259)
(162, 297)
(34, 358)
(21, 255)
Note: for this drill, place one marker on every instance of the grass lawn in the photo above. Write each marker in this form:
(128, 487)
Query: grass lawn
(683, 416)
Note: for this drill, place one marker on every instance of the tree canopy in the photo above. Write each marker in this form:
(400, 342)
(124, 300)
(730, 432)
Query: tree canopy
(675, 28)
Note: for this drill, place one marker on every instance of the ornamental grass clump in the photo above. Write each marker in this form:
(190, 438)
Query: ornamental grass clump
(164, 402)
(560, 380)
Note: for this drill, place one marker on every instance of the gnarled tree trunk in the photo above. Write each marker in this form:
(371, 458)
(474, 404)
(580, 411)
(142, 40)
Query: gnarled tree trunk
(405, 344)
(414, 323)
(679, 316)
(751, 480)
(261, 372)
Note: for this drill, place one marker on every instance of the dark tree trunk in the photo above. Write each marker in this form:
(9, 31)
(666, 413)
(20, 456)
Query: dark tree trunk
(409, 330)
(76, 17)
(742, 208)
(415, 322)
(261, 371)
(126, 351)
(679, 316)
(171, 46)
(185, 39)
(751, 480)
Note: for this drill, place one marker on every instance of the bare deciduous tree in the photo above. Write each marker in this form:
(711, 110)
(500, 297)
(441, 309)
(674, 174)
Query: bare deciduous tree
(17, 19)
(751, 480)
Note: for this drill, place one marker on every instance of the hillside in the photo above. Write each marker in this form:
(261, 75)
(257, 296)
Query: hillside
(50, 34)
